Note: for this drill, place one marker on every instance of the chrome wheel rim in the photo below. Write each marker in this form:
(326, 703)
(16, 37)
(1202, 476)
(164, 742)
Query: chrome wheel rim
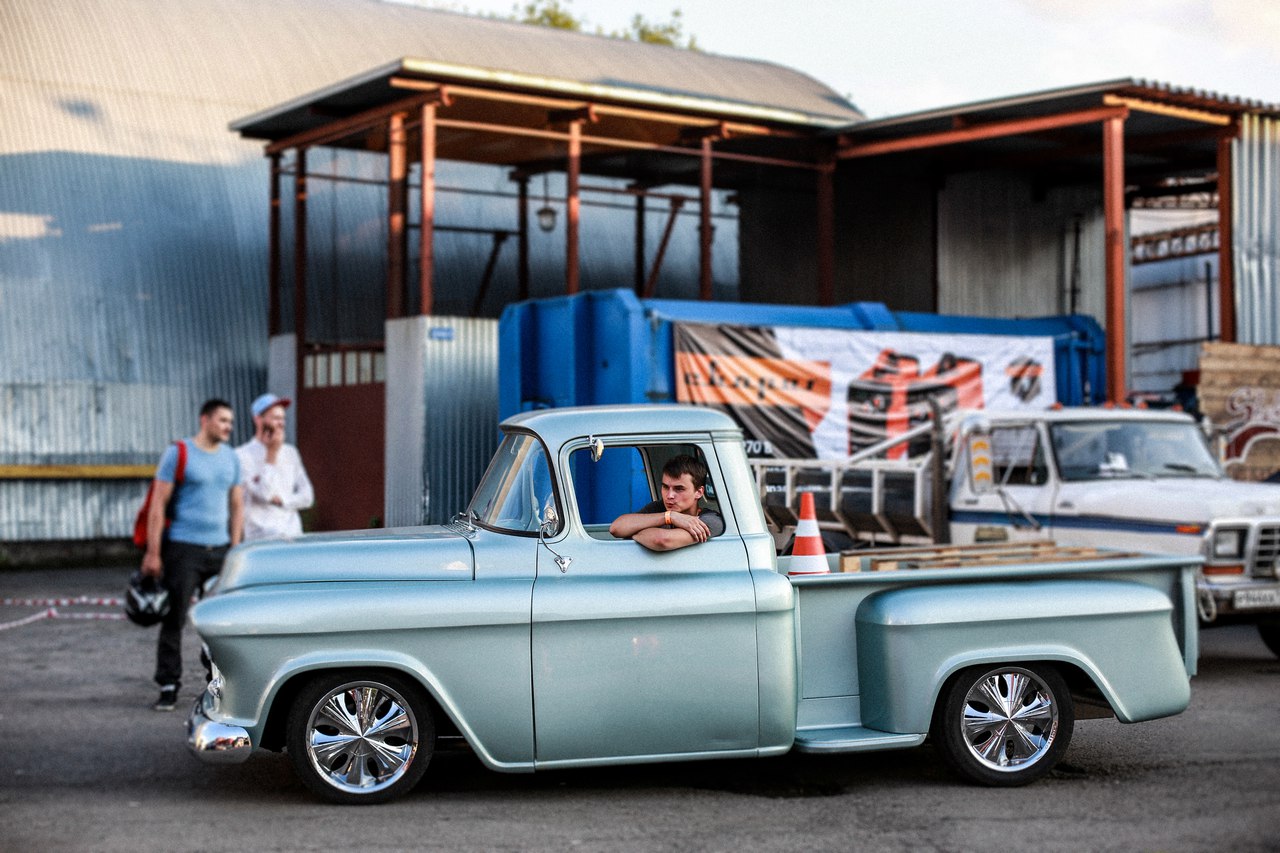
(1010, 720)
(362, 737)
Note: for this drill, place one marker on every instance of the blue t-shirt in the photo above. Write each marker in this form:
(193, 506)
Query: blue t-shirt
(201, 511)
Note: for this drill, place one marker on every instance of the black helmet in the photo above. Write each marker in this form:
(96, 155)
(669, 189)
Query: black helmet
(146, 601)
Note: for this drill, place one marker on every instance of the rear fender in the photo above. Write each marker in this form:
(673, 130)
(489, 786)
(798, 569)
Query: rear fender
(1120, 634)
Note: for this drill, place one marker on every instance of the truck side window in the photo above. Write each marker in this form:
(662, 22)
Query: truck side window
(625, 478)
(1017, 456)
(607, 488)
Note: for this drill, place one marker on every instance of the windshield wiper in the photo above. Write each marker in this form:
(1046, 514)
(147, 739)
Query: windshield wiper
(1125, 474)
(1185, 468)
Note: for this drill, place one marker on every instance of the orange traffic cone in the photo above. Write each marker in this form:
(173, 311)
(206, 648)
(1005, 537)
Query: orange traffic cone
(808, 557)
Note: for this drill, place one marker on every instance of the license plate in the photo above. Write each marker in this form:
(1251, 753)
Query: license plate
(1248, 599)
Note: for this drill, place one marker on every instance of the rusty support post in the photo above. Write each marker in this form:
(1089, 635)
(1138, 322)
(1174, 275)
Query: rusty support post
(1113, 213)
(704, 223)
(273, 250)
(1226, 239)
(522, 234)
(486, 278)
(826, 232)
(397, 209)
(572, 208)
(651, 282)
(300, 264)
(427, 213)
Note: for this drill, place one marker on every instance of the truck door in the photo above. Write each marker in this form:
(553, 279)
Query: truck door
(1007, 494)
(637, 653)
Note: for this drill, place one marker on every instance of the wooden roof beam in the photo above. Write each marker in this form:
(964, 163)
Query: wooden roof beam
(361, 122)
(974, 133)
(601, 109)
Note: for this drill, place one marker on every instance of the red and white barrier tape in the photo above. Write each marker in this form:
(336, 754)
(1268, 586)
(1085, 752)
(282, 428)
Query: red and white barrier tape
(100, 601)
(35, 617)
(51, 606)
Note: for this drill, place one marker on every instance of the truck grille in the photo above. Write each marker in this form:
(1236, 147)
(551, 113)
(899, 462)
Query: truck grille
(1266, 561)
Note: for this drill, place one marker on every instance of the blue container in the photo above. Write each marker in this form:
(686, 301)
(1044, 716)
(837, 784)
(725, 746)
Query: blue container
(611, 347)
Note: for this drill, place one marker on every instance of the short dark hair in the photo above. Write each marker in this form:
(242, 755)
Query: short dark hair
(212, 405)
(678, 466)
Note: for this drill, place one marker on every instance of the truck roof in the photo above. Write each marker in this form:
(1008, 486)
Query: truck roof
(557, 426)
(1081, 413)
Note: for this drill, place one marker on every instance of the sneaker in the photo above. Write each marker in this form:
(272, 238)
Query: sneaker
(168, 698)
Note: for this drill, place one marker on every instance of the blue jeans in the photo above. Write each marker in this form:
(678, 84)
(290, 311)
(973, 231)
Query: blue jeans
(186, 568)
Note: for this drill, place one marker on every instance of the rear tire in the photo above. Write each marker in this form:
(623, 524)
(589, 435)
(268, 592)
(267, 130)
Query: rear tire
(1004, 725)
(357, 739)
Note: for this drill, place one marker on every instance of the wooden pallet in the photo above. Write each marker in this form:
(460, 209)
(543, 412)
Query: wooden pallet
(958, 556)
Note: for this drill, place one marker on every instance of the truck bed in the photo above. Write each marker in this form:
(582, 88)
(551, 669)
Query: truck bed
(852, 623)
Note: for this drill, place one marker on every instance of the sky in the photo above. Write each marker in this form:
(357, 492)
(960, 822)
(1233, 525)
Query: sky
(892, 57)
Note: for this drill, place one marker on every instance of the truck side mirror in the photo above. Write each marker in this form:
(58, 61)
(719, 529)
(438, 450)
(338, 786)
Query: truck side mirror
(975, 431)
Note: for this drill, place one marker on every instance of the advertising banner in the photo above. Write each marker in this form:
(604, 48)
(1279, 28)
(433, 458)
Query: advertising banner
(803, 393)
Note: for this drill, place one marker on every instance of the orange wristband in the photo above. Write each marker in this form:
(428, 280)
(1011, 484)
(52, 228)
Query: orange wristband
(668, 517)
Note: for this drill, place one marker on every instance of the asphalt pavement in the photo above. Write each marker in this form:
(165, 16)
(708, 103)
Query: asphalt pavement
(86, 765)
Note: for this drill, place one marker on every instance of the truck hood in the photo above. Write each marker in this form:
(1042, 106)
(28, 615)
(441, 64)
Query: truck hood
(404, 554)
(1175, 499)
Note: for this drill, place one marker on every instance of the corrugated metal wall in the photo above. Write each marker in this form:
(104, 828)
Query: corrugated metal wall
(1256, 248)
(131, 258)
(1173, 308)
(442, 414)
(1004, 252)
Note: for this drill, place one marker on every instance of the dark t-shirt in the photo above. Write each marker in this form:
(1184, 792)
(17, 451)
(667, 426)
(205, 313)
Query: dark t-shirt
(712, 519)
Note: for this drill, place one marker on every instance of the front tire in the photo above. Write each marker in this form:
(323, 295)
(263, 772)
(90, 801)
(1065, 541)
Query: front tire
(356, 740)
(1004, 725)
(1270, 634)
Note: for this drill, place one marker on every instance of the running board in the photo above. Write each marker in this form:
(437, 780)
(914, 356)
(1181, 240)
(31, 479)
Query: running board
(852, 739)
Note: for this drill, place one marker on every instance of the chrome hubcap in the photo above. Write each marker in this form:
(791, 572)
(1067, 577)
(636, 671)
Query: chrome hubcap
(1010, 720)
(362, 737)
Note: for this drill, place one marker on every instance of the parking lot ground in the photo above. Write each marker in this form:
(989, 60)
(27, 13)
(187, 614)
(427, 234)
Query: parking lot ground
(86, 765)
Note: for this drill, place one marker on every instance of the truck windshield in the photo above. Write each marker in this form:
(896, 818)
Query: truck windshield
(1098, 450)
(515, 494)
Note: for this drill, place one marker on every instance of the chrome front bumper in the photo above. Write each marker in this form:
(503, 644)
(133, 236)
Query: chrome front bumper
(213, 742)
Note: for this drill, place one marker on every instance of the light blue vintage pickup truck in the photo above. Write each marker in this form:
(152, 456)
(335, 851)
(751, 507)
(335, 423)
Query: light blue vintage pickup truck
(526, 629)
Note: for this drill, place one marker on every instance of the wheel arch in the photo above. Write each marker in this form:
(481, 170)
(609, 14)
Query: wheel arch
(909, 702)
(1087, 696)
(274, 729)
(1083, 679)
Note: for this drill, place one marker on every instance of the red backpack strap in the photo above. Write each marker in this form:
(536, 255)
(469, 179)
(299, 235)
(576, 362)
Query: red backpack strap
(180, 472)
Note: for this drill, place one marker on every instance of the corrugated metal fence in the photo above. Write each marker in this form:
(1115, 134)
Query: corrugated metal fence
(1256, 192)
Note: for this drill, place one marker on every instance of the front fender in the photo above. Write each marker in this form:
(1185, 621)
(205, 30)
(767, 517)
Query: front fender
(513, 751)
(434, 631)
(1119, 633)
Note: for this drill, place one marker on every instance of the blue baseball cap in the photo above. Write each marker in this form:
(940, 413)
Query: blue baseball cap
(266, 401)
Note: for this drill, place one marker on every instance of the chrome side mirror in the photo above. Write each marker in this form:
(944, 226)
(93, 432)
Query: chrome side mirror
(597, 448)
(550, 521)
(975, 422)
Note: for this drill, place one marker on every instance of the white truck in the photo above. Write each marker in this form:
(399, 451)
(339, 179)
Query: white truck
(1139, 479)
